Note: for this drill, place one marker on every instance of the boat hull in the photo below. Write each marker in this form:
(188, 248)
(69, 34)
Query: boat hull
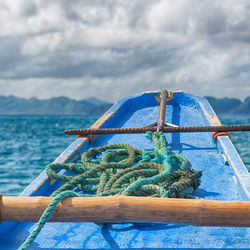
(224, 178)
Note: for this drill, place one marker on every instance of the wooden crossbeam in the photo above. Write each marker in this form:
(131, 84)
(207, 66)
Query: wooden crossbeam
(122, 209)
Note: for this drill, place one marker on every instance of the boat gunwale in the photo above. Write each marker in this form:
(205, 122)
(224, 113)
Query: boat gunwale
(227, 148)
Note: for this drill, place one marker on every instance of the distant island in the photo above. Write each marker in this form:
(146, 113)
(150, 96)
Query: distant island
(230, 106)
(12, 105)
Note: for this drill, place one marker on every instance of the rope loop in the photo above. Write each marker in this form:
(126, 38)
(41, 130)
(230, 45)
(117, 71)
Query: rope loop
(120, 169)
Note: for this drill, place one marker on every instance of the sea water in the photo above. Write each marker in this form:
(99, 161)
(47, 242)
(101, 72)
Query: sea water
(29, 143)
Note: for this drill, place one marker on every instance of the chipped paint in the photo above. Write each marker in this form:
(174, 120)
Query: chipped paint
(104, 117)
(224, 157)
(75, 157)
(36, 181)
(241, 177)
(212, 118)
(235, 180)
(37, 187)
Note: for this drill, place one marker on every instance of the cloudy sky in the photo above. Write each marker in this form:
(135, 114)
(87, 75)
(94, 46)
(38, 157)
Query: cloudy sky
(112, 49)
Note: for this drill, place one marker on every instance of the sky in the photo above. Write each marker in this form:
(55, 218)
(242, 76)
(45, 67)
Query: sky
(113, 49)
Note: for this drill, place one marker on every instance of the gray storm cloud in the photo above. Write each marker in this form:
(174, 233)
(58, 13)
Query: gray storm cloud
(111, 49)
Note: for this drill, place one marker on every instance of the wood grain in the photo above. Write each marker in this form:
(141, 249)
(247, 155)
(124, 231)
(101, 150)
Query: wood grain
(121, 209)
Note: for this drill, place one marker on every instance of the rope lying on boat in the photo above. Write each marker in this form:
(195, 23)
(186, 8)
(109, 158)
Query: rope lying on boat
(119, 169)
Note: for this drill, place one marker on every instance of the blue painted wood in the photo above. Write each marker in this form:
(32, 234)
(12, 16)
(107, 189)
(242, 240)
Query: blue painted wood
(224, 178)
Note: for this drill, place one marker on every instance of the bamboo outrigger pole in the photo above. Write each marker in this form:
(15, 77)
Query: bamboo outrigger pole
(122, 209)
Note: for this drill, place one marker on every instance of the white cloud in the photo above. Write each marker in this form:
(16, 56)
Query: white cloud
(81, 48)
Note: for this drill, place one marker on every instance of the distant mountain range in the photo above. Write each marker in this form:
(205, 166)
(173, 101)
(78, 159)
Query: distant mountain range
(230, 106)
(11, 105)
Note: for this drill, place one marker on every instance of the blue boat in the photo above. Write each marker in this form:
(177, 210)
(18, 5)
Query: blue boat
(224, 178)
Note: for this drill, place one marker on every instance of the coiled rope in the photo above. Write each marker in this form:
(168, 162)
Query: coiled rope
(120, 169)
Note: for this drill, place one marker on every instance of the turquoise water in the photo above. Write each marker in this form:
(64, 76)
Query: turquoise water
(29, 143)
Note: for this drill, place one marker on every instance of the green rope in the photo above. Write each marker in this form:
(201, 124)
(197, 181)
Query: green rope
(119, 169)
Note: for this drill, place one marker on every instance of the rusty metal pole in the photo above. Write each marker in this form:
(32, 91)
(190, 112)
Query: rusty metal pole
(91, 131)
(162, 111)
